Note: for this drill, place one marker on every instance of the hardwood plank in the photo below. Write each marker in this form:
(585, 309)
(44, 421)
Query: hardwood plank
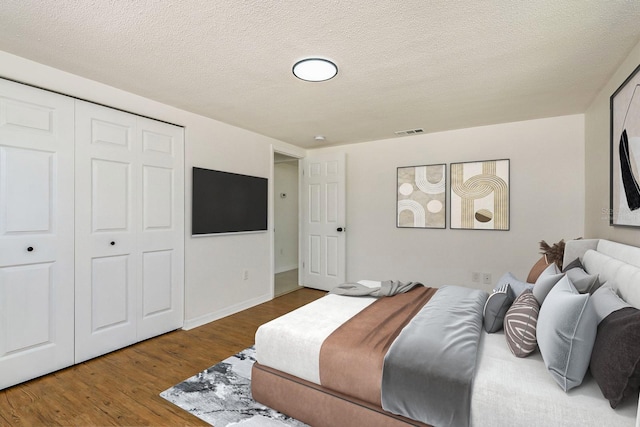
(123, 387)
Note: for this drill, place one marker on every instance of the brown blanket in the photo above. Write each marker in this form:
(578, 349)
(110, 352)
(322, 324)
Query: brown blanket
(352, 357)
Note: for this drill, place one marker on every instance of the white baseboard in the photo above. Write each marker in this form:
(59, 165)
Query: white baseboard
(216, 315)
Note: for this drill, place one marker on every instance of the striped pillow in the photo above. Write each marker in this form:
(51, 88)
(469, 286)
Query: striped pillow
(520, 324)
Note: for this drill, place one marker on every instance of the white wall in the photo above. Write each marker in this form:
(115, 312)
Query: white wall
(547, 200)
(547, 197)
(286, 215)
(213, 265)
(598, 143)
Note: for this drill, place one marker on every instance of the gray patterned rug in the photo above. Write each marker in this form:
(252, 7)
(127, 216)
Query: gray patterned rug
(221, 396)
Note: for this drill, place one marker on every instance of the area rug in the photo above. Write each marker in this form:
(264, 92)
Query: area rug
(221, 396)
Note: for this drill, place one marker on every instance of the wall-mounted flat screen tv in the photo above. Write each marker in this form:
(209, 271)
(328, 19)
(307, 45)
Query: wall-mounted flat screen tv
(225, 202)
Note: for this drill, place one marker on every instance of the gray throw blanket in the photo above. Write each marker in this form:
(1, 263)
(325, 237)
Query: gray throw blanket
(428, 371)
(386, 289)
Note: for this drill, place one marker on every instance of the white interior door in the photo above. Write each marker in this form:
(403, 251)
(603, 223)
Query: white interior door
(161, 237)
(107, 265)
(36, 232)
(323, 221)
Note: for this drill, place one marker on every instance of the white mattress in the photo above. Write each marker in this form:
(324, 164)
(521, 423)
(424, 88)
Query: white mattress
(504, 385)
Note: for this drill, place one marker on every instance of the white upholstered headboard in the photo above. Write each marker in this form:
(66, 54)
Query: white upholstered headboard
(616, 264)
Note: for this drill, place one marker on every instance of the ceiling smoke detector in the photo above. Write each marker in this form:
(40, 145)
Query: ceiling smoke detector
(409, 132)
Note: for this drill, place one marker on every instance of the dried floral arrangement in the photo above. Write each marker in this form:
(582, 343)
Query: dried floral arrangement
(553, 253)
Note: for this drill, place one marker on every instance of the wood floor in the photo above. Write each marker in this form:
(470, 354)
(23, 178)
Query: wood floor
(122, 388)
(285, 282)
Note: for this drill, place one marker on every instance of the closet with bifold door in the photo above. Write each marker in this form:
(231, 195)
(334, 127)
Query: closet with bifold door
(36, 232)
(91, 230)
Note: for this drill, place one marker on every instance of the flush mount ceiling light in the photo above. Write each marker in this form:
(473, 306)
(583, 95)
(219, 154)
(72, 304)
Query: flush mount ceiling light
(315, 69)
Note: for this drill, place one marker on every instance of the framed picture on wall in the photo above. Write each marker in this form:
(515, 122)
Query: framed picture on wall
(421, 196)
(480, 195)
(625, 153)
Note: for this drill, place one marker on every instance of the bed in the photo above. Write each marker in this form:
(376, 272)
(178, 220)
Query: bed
(294, 375)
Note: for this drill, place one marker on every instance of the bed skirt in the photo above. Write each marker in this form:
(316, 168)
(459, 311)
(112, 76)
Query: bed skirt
(315, 405)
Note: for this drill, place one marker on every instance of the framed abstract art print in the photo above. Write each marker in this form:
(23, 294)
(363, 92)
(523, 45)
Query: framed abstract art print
(624, 177)
(480, 195)
(421, 196)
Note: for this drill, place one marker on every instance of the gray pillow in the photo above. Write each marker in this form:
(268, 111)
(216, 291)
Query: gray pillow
(544, 284)
(496, 307)
(615, 360)
(566, 332)
(605, 301)
(517, 286)
(584, 283)
(573, 264)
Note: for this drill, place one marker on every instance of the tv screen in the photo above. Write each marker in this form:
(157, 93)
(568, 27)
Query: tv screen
(225, 202)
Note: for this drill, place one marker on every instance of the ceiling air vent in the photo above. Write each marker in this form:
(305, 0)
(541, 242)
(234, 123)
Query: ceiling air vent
(409, 132)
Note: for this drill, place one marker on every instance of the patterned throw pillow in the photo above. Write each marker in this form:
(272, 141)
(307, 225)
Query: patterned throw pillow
(520, 324)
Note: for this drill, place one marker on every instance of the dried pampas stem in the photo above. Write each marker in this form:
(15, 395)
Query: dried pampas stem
(553, 253)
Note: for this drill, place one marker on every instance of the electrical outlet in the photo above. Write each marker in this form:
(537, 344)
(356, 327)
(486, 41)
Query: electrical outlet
(475, 277)
(486, 278)
(245, 274)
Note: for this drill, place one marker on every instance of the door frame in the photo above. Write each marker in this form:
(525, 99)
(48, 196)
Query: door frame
(272, 198)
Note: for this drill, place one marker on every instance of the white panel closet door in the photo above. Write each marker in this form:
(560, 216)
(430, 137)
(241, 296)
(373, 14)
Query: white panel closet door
(161, 237)
(107, 260)
(36, 232)
(129, 229)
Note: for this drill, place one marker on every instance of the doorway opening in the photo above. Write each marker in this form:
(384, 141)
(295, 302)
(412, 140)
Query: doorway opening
(286, 218)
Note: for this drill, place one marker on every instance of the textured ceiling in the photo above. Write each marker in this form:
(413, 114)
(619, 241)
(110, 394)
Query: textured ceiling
(428, 64)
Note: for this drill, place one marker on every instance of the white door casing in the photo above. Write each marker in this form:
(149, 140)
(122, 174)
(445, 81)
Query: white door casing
(36, 232)
(323, 221)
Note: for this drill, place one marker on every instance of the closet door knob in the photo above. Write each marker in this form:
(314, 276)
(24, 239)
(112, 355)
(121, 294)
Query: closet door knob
(113, 243)
(339, 229)
(30, 249)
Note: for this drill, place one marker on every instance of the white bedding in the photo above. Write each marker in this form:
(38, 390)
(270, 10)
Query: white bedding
(507, 391)
(505, 385)
(302, 332)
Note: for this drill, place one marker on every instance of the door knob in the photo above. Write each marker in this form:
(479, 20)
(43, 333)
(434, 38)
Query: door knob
(113, 243)
(339, 229)
(30, 249)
